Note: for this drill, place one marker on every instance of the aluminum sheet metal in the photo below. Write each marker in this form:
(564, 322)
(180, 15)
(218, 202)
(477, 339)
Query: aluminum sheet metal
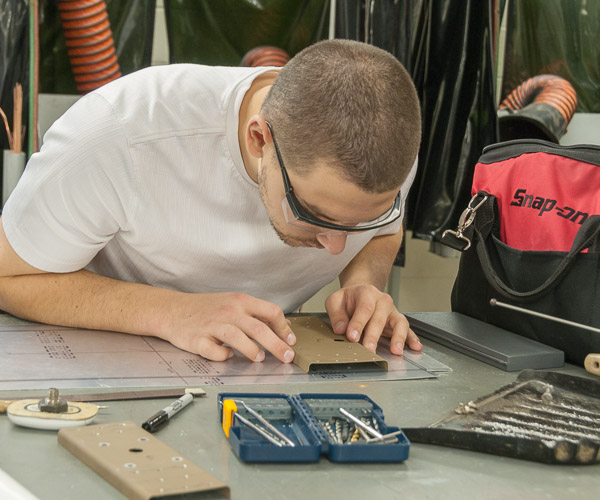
(42, 356)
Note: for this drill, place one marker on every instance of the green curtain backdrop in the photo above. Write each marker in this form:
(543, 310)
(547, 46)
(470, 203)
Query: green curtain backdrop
(220, 32)
(448, 49)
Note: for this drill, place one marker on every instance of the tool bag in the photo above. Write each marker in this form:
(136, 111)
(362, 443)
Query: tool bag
(530, 238)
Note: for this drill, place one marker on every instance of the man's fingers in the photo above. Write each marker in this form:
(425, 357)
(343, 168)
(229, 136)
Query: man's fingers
(235, 337)
(413, 342)
(211, 349)
(272, 315)
(377, 323)
(364, 311)
(242, 322)
(402, 336)
(335, 306)
(261, 333)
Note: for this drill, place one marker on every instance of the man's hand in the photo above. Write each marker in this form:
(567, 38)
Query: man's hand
(198, 323)
(364, 311)
(203, 323)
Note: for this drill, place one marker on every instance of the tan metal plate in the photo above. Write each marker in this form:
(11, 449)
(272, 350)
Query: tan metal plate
(318, 348)
(137, 463)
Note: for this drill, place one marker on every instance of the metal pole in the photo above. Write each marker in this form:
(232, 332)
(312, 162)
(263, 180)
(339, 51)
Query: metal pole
(332, 6)
(494, 302)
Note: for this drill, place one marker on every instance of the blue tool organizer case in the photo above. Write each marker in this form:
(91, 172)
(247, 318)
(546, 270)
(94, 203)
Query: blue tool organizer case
(301, 418)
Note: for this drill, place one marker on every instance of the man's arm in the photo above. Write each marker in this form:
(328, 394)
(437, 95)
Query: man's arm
(373, 263)
(199, 323)
(360, 308)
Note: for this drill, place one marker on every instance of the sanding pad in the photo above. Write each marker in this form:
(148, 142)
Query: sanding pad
(27, 413)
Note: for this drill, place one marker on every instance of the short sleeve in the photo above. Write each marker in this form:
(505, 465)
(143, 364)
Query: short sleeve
(76, 193)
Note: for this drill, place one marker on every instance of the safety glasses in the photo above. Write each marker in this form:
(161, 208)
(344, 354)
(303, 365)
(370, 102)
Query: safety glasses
(296, 215)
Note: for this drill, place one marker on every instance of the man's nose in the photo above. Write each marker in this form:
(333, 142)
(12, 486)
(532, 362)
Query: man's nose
(333, 243)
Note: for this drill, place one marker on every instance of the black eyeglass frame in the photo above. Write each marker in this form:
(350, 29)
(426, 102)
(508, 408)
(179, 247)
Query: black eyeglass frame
(305, 216)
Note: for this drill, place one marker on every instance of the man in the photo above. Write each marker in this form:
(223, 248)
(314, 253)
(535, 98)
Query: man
(198, 204)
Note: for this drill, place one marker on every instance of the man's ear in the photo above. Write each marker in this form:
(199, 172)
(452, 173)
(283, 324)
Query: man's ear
(258, 136)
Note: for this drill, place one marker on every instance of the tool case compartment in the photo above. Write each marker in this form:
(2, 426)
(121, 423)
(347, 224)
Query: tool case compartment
(314, 424)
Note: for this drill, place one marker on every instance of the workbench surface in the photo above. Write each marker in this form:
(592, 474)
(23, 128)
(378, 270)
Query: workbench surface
(36, 460)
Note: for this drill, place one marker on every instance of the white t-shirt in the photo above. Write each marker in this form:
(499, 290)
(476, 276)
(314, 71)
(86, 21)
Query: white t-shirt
(143, 181)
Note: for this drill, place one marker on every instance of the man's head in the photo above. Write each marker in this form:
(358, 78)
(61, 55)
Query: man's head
(349, 105)
(337, 135)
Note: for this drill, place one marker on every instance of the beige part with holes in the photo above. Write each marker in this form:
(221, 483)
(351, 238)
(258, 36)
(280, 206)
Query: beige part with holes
(137, 463)
(316, 344)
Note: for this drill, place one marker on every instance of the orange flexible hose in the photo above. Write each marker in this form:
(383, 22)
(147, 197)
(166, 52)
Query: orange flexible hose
(549, 89)
(83, 12)
(85, 51)
(90, 43)
(266, 55)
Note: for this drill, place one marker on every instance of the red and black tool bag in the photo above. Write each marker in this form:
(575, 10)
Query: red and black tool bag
(545, 192)
(531, 238)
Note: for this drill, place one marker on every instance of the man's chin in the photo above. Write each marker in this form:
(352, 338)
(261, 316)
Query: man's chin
(297, 242)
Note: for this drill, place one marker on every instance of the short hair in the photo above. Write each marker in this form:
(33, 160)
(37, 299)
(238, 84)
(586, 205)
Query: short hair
(351, 105)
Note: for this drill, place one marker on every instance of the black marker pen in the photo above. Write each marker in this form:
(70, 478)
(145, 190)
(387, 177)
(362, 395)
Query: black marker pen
(164, 415)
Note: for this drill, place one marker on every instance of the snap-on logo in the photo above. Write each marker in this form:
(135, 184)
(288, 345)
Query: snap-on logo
(546, 205)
